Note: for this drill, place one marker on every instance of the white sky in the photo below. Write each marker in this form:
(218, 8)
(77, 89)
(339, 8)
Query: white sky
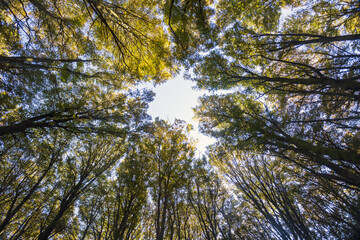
(175, 99)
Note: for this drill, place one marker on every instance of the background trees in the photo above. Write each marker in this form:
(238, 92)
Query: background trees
(292, 68)
(80, 158)
(66, 108)
(67, 63)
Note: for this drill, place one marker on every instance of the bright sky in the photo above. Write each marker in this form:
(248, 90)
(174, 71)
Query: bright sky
(175, 99)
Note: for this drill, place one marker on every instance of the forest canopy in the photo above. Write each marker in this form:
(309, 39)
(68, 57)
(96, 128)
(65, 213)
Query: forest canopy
(80, 158)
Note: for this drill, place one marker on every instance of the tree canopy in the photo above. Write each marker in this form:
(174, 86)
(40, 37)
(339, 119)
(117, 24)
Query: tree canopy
(80, 158)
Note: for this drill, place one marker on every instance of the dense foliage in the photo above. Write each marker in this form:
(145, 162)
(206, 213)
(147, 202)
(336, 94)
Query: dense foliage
(81, 159)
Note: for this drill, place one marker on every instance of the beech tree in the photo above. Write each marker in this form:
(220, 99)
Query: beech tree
(113, 208)
(292, 71)
(81, 159)
(170, 152)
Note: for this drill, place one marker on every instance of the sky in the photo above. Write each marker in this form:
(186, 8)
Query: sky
(174, 100)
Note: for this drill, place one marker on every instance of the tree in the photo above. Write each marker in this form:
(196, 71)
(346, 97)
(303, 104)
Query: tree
(293, 71)
(69, 64)
(170, 152)
(44, 182)
(267, 191)
(81, 160)
(26, 172)
(108, 113)
(75, 176)
(246, 124)
(294, 204)
(205, 196)
(117, 34)
(287, 64)
(113, 208)
(190, 27)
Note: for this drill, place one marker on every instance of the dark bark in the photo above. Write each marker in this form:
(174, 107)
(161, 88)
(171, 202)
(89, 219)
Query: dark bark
(317, 39)
(22, 59)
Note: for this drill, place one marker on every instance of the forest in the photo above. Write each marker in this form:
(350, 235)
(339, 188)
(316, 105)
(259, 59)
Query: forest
(80, 157)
